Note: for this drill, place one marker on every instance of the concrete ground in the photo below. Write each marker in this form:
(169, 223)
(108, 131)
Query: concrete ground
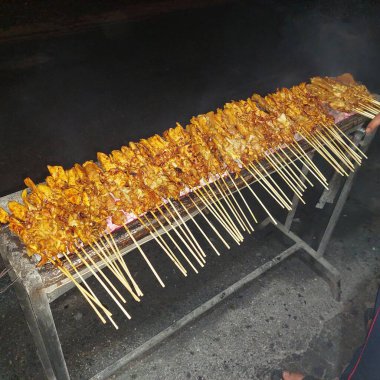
(64, 98)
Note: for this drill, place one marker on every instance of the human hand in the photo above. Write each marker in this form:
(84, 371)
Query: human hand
(374, 123)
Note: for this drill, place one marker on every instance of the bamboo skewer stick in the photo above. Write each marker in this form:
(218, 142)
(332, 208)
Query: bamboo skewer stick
(364, 113)
(283, 175)
(162, 243)
(289, 171)
(369, 99)
(200, 250)
(157, 235)
(267, 186)
(356, 156)
(229, 196)
(351, 142)
(174, 228)
(374, 101)
(216, 214)
(259, 200)
(106, 255)
(309, 168)
(241, 196)
(110, 265)
(215, 204)
(228, 202)
(115, 245)
(122, 262)
(102, 283)
(327, 155)
(103, 275)
(267, 179)
(354, 150)
(189, 235)
(367, 109)
(122, 265)
(299, 148)
(122, 278)
(173, 241)
(344, 152)
(192, 248)
(312, 143)
(264, 183)
(218, 204)
(323, 147)
(287, 168)
(199, 228)
(371, 109)
(298, 169)
(175, 225)
(336, 150)
(278, 170)
(363, 110)
(271, 181)
(285, 178)
(91, 295)
(238, 205)
(142, 253)
(368, 104)
(231, 207)
(85, 295)
(144, 256)
(338, 153)
(343, 144)
(210, 224)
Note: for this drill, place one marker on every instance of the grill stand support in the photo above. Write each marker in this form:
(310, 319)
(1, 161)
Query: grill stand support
(35, 302)
(36, 307)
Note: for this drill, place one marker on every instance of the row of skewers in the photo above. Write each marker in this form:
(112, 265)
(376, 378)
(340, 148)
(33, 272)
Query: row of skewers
(148, 181)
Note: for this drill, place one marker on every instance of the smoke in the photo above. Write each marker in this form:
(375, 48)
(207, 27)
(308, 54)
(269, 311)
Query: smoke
(334, 37)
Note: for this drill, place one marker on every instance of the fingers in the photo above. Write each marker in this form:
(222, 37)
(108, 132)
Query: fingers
(369, 129)
(286, 375)
(373, 124)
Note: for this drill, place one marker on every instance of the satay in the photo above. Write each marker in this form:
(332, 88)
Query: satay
(77, 205)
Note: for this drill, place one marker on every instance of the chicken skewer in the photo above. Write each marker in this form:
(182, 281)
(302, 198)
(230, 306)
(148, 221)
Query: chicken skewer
(84, 204)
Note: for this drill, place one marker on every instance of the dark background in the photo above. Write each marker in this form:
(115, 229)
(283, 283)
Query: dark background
(64, 97)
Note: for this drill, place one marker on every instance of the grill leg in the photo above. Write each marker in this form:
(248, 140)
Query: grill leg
(41, 325)
(328, 271)
(342, 196)
(38, 315)
(295, 200)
